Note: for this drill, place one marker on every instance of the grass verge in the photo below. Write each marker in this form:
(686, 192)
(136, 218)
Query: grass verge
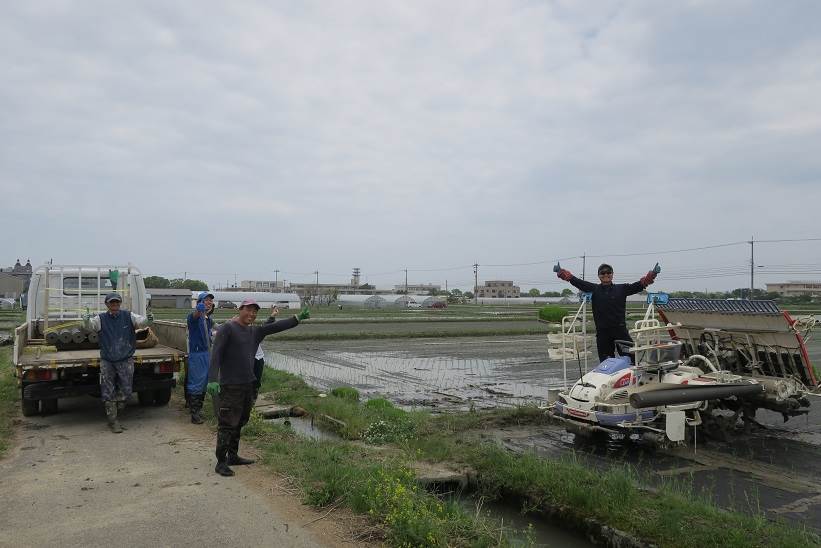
(381, 485)
(9, 397)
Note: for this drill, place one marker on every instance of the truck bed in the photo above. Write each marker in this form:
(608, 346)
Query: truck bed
(91, 357)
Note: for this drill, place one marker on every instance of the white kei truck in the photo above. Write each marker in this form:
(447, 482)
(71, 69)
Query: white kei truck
(56, 357)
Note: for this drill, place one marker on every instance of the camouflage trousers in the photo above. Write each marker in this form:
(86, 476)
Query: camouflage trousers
(116, 379)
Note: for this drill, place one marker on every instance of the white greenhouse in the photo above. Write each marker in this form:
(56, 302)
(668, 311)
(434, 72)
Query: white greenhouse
(361, 301)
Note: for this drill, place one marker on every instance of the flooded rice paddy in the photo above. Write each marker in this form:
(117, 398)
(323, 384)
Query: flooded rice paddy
(775, 470)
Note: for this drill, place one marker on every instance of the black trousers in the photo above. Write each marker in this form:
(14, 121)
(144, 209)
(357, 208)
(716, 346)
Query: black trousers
(606, 340)
(259, 366)
(235, 404)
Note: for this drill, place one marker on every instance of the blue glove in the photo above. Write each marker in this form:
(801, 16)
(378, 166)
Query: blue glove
(201, 307)
(557, 268)
(657, 268)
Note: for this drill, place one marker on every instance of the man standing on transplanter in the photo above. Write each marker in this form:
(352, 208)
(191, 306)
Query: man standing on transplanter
(200, 325)
(609, 304)
(118, 341)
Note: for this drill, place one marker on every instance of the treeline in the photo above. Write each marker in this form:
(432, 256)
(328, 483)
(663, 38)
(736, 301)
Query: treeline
(158, 282)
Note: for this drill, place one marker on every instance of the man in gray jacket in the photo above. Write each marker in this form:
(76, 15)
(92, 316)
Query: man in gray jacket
(118, 341)
(232, 358)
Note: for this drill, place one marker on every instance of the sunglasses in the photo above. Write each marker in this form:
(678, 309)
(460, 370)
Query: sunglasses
(606, 273)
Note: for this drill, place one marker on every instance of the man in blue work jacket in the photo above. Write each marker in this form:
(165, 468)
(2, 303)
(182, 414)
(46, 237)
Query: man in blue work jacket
(200, 326)
(118, 342)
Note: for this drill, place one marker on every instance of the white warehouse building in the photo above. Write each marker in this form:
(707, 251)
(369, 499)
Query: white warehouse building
(263, 298)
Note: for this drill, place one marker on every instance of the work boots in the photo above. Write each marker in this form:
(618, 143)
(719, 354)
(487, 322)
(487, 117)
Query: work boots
(223, 470)
(223, 447)
(232, 456)
(195, 403)
(111, 415)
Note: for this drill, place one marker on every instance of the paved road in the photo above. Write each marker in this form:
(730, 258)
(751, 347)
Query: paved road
(70, 482)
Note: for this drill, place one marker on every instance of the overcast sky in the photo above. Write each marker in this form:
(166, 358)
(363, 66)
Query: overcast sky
(223, 138)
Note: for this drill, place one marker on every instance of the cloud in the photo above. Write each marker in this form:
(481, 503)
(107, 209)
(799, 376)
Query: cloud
(386, 135)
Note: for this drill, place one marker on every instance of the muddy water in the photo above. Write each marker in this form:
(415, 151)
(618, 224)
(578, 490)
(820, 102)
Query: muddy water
(521, 529)
(444, 373)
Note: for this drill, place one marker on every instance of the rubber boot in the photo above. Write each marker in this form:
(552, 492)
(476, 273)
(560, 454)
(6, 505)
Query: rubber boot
(195, 402)
(223, 470)
(223, 445)
(232, 456)
(111, 415)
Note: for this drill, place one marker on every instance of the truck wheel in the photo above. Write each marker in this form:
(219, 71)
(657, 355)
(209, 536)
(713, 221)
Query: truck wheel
(30, 407)
(49, 407)
(146, 397)
(162, 396)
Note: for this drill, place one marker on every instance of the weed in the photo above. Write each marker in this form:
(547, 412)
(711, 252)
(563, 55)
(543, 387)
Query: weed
(346, 393)
(9, 398)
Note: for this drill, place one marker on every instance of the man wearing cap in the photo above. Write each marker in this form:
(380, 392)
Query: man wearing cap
(118, 340)
(232, 360)
(609, 304)
(200, 325)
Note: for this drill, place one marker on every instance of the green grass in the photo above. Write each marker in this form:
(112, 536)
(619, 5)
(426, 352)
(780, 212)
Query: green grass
(379, 483)
(670, 517)
(9, 398)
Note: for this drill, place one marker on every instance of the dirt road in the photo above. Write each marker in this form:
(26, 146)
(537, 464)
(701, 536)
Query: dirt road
(70, 482)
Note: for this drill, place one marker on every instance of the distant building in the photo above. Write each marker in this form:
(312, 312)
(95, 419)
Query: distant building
(11, 287)
(306, 289)
(498, 288)
(418, 289)
(795, 288)
(274, 286)
(21, 272)
(169, 298)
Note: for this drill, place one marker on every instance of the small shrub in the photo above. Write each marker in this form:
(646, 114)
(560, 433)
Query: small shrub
(552, 313)
(378, 404)
(346, 393)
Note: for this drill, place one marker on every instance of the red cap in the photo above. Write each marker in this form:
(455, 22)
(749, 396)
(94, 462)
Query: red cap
(249, 302)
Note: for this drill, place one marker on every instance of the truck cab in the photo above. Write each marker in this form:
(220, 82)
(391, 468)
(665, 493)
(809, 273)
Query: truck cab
(56, 357)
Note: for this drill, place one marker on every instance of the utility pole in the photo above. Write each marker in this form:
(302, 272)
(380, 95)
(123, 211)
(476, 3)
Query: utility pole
(235, 279)
(276, 279)
(185, 275)
(475, 283)
(406, 282)
(584, 263)
(752, 267)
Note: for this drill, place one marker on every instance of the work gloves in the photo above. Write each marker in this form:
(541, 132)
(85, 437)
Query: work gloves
(86, 318)
(650, 277)
(149, 317)
(562, 273)
(304, 314)
(213, 388)
(201, 307)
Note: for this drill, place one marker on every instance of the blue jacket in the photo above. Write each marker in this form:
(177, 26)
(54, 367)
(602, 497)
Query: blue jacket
(199, 333)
